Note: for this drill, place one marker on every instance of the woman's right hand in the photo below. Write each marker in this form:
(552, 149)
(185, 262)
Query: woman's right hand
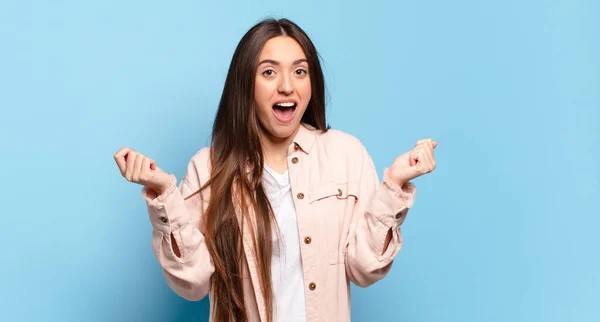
(138, 168)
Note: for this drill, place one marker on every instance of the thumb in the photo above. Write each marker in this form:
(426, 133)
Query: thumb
(413, 158)
(154, 167)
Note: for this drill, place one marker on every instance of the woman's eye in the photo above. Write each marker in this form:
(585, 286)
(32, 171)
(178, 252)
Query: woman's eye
(268, 72)
(301, 72)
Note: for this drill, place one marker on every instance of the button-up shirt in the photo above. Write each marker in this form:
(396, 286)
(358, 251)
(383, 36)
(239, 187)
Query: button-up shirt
(287, 276)
(344, 216)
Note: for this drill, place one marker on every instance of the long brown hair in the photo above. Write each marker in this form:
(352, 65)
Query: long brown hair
(237, 168)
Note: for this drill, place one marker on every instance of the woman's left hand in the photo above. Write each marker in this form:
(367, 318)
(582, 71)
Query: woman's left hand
(415, 163)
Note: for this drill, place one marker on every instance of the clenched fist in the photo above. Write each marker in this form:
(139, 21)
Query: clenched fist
(412, 164)
(138, 168)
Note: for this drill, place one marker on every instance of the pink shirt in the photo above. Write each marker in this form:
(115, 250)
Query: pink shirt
(344, 215)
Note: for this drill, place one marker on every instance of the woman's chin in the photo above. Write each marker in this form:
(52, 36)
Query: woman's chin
(282, 131)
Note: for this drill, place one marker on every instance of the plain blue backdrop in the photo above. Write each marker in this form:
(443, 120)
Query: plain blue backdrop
(505, 229)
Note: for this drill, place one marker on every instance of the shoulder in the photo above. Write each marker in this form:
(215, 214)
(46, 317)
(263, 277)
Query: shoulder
(342, 157)
(201, 159)
(339, 141)
(198, 170)
(344, 153)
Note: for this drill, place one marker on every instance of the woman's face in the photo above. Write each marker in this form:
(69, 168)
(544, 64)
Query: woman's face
(282, 86)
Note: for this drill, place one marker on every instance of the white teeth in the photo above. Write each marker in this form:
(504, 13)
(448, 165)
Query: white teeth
(287, 104)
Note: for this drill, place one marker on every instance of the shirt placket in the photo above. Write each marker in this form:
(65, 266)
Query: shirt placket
(298, 170)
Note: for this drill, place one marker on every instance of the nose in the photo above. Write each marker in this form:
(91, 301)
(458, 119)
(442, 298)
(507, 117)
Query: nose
(285, 85)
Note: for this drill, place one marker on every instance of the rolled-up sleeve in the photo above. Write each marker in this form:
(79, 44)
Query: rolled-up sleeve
(175, 218)
(381, 208)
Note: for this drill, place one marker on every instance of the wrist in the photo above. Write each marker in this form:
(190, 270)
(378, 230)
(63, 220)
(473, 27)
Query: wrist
(405, 191)
(398, 180)
(159, 189)
(401, 184)
(394, 181)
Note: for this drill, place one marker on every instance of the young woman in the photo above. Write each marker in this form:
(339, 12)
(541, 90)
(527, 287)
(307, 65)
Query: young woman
(277, 217)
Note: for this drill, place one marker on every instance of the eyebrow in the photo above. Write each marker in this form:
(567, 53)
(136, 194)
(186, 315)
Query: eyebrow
(274, 62)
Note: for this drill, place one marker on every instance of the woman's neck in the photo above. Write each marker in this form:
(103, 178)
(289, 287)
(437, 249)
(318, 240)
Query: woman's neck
(275, 151)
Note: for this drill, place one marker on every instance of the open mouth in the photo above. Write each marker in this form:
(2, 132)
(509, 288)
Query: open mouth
(284, 112)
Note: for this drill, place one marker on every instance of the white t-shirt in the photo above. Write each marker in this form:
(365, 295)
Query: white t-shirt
(286, 264)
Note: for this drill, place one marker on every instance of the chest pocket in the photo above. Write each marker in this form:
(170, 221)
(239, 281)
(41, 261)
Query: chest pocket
(333, 203)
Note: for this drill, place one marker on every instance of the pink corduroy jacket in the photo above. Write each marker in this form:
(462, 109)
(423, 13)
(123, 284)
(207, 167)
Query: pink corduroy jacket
(344, 215)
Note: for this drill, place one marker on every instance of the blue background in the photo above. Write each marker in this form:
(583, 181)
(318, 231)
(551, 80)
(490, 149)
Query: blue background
(505, 229)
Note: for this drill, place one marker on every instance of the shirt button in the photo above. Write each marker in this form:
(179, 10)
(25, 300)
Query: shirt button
(340, 192)
(296, 146)
(164, 219)
(294, 160)
(300, 195)
(307, 240)
(312, 286)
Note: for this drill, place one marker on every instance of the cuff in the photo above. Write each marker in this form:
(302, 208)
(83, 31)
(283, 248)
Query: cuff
(167, 211)
(394, 201)
(406, 192)
(158, 201)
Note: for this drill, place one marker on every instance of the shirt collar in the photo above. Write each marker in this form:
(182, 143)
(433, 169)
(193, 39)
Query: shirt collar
(304, 139)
